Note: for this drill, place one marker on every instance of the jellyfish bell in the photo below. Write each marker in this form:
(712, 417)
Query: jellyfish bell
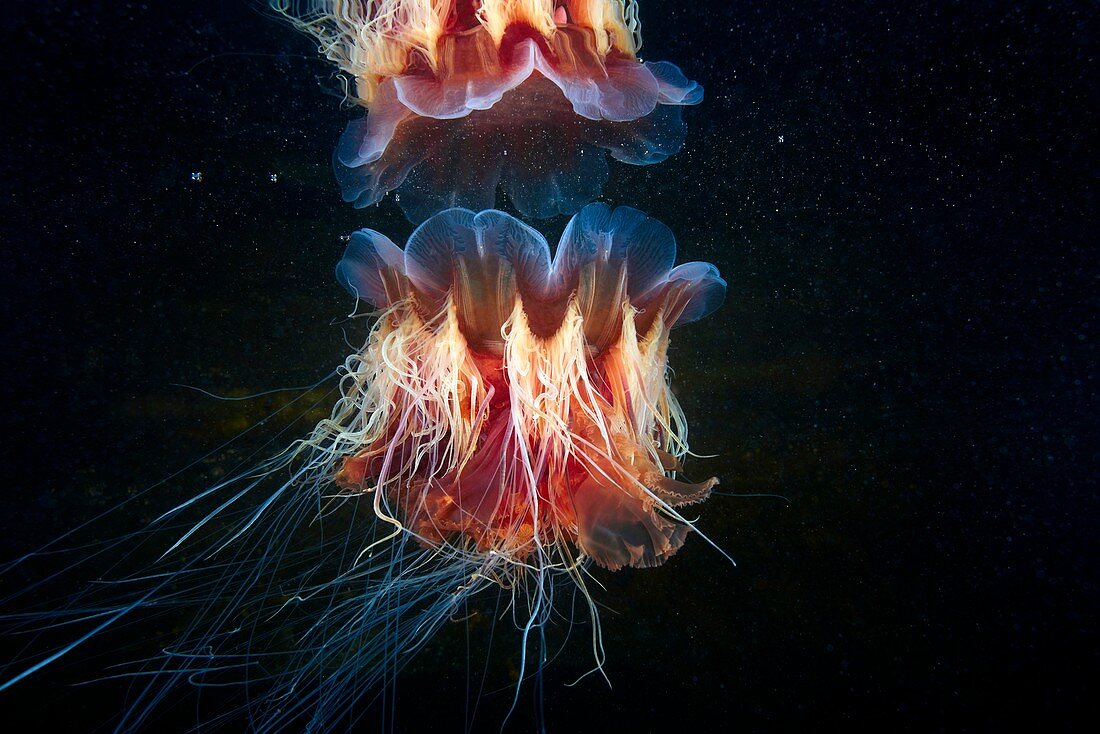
(465, 96)
(508, 419)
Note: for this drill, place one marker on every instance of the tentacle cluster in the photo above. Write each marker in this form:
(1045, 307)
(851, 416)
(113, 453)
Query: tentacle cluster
(372, 40)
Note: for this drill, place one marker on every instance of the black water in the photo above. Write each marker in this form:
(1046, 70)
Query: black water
(901, 196)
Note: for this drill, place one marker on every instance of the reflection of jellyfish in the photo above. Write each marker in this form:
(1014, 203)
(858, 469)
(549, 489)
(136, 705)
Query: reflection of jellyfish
(507, 419)
(466, 95)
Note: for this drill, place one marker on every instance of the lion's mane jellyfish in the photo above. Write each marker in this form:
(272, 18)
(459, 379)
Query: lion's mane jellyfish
(520, 407)
(463, 96)
(508, 419)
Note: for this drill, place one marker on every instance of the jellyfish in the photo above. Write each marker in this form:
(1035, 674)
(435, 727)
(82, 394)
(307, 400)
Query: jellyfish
(508, 422)
(465, 96)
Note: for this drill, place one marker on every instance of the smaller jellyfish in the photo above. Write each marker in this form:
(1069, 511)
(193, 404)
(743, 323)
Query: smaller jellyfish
(508, 420)
(465, 96)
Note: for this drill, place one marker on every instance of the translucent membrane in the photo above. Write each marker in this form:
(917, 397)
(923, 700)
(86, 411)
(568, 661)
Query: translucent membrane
(464, 97)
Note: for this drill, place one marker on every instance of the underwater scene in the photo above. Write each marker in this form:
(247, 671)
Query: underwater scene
(549, 365)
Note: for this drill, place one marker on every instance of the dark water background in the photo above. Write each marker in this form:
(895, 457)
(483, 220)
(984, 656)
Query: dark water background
(901, 198)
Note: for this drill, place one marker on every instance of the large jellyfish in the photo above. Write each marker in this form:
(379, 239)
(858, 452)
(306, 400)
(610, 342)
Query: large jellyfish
(508, 421)
(463, 96)
(518, 406)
